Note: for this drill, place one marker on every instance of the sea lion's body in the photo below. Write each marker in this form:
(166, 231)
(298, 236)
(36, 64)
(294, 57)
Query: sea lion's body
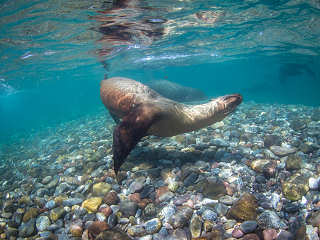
(145, 112)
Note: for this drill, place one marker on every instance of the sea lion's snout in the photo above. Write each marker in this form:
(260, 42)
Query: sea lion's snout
(231, 102)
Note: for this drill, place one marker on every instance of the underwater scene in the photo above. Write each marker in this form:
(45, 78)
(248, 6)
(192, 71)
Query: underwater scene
(158, 119)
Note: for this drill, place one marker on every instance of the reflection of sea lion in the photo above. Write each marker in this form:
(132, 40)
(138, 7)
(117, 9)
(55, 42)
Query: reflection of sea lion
(294, 69)
(145, 112)
(175, 91)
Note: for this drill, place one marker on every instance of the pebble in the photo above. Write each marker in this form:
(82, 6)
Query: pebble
(270, 219)
(128, 208)
(248, 226)
(92, 204)
(100, 189)
(245, 208)
(269, 234)
(314, 183)
(57, 213)
(195, 226)
(285, 235)
(153, 226)
(111, 198)
(209, 215)
(282, 151)
(26, 229)
(42, 223)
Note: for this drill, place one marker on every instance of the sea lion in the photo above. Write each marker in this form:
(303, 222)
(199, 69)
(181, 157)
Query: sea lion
(176, 91)
(144, 112)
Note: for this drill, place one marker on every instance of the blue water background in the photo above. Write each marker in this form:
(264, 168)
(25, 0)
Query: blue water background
(50, 70)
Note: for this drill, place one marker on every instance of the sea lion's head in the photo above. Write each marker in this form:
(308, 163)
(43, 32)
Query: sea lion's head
(226, 104)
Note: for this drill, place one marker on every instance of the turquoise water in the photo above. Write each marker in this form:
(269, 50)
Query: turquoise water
(55, 53)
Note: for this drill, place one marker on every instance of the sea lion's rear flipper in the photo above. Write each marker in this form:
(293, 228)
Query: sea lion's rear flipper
(130, 130)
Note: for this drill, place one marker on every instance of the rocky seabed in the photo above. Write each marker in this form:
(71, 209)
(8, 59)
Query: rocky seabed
(255, 175)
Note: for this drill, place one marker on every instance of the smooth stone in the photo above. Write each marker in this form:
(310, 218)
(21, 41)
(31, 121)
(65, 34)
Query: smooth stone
(111, 198)
(248, 226)
(46, 180)
(76, 230)
(314, 183)
(53, 182)
(181, 217)
(50, 204)
(30, 213)
(269, 234)
(150, 211)
(113, 234)
(213, 189)
(153, 226)
(96, 227)
(209, 215)
(72, 201)
(136, 231)
(26, 229)
(57, 213)
(135, 186)
(100, 189)
(190, 179)
(314, 219)
(128, 208)
(195, 226)
(112, 220)
(147, 191)
(61, 188)
(227, 200)
(244, 209)
(92, 204)
(270, 140)
(270, 219)
(251, 236)
(295, 187)
(167, 212)
(311, 233)
(293, 162)
(100, 216)
(208, 226)
(42, 223)
(285, 235)
(237, 233)
(282, 151)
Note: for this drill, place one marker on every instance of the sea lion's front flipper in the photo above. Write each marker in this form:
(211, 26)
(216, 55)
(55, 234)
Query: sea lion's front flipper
(130, 130)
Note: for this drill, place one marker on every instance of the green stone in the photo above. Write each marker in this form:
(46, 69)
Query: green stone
(31, 213)
(100, 189)
(195, 226)
(295, 187)
(57, 213)
(293, 162)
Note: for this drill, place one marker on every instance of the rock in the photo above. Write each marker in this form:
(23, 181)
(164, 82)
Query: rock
(106, 210)
(153, 226)
(128, 208)
(269, 234)
(42, 223)
(72, 201)
(293, 162)
(270, 140)
(50, 204)
(181, 217)
(100, 189)
(111, 198)
(297, 124)
(61, 188)
(311, 233)
(209, 215)
(314, 219)
(136, 186)
(46, 180)
(150, 211)
(195, 226)
(251, 236)
(295, 187)
(265, 166)
(178, 234)
(100, 216)
(244, 209)
(208, 226)
(97, 227)
(306, 148)
(314, 183)
(269, 219)
(26, 229)
(112, 234)
(136, 231)
(167, 212)
(53, 182)
(282, 151)
(76, 230)
(213, 188)
(285, 235)
(190, 179)
(30, 213)
(248, 226)
(227, 200)
(237, 233)
(57, 213)
(92, 204)
(147, 191)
